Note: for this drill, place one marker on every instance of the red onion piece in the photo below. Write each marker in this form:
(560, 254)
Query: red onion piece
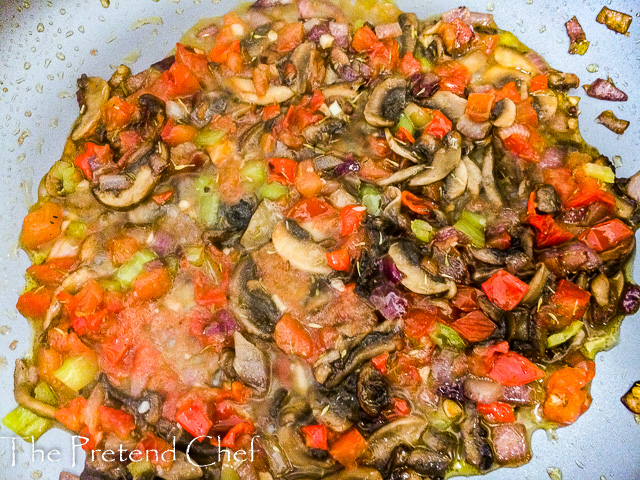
(256, 18)
(441, 368)
(613, 123)
(510, 443)
(348, 74)
(520, 395)
(163, 243)
(575, 31)
(349, 165)
(423, 86)
(210, 31)
(225, 324)
(553, 157)
(153, 265)
(482, 19)
(605, 90)
(630, 299)
(538, 61)
(633, 187)
(453, 392)
(481, 390)
(317, 31)
(388, 30)
(461, 12)
(340, 32)
(389, 301)
(390, 271)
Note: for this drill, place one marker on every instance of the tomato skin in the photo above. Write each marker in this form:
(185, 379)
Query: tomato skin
(194, 419)
(348, 448)
(439, 125)
(35, 303)
(421, 206)
(42, 225)
(505, 290)
(163, 197)
(512, 369)
(497, 412)
(606, 235)
(292, 338)
(351, 216)
(229, 440)
(339, 259)
(316, 436)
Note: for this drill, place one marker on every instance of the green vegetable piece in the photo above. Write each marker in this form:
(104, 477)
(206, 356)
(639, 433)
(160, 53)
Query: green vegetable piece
(209, 137)
(254, 174)
(273, 191)
(195, 255)
(26, 424)
(564, 335)
(508, 39)
(208, 200)
(67, 175)
(599, 344)
(77, 372)
(140, 469)
(448, 335)
(418, 115)
(422, 230)
(405, 123)
(129, 270)
(44, 393)
(472, 225)
(600, 172)
(371, 199)
(77, 229)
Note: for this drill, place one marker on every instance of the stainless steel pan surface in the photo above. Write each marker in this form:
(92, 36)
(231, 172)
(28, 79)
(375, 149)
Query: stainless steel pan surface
(46, 44)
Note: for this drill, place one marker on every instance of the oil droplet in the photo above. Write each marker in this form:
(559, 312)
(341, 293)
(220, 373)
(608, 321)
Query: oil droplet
(490, 7)
(529, 2)
(81, 29)
(53, 123)
(593, 68)
(23, 136)
(40, 27)
(62, 11)
(27, 65)
(554, 473)
(47, 62)
(39, 88)
(27, 113)
(13, 345)
(543, 29)
(5, 330)
(60, 56)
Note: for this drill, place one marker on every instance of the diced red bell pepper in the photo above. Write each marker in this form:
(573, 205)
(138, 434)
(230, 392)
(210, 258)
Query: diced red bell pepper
(221, 51)
(289, 37)
(479, 106)
(606, 235)
(317, 100)
(230, 439)
(310, 208)
(348, 447)
(351, 216)
(163, 197)
(439, 125)
(101, 154)
(405, 136)
(72, 416)
(588, 191)
(505, 290)
(380, 362)
(497, 412)
(421, 206)
(122, 248)
(316, 436)
(283, 170)
(182, 81)
(409, 65)
(568, 303)
(539, 82)
(509, 91)
(454, 77)
(474, 326)
(292, 338)
(35, 303)
(526, 114)
(270, 111)
(512, 369)
(384, 55)
(116, 421)
(118, 113)
(521, 146)
(339, 259)
(364, 39)
(549, 232)
(420, 322)
(194, 419)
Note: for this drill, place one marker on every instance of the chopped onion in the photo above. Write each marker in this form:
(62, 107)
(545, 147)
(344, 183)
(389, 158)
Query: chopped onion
(423, 86)
(209, 31)
(510, 443)
(553, 157)
(340, 32)
(579, 42)
(391, 272)
(605, 90)
(388, 30)
(482, 390)
(613, 123)
(389, 301)
(630, 299)
(461, 13)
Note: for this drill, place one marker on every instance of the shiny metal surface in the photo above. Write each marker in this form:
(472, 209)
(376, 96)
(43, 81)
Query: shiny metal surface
(46, 44)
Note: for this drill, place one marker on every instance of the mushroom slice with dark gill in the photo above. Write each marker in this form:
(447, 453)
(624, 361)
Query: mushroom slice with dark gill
(415, 278)
(292, 244)
(93, 96)
(386, 103)
(137, 181)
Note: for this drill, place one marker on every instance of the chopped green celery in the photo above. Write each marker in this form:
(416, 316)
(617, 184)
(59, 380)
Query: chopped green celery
(405, 123)
(422, 230)
(371, 199)
(195, 255)
(38, 257)
(273, 191)
(31, 283)
(77, 372)
(77, 229)
(472, 225)
(110, 285)
(426, 65)
(44, 393)
(564, 335)
(209, 137)
(68, 176)
(599, 344)
(418, 116)
(579, 48)
(26, 424)
(140, 469)
(599, 172)
(254, 174)
(129, 270)
(508, 39)
(357, 25)
(446, 334)
(172, 264)
(208, 200)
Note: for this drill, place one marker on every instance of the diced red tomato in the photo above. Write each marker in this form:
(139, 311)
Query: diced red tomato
(419, 322)
(351, 216)
(521, 146)
(122, 248)
(487, 43)
(317, 100)
(221, 51)
(466, 299)
(118, 113)
(152, 285)
(310, 208)
(183, 82)
(283, 170)
(549, 232)
(292, 338)
(364, 39)
(588, 191)
(115, 349)
(509, 91)
(206, 294)
(116, 421)
(512, 369)
(384, 55)
(289, 37)
(380, 362)
(339, 259)
(196, 62)
(606, 235)
(270, 111)
(88, 299)
(409, 65)
(405, 136)
(42, 225)
(230, 439)
(173, 134)
(163, 197)
(316, 436)
(101, 154)
(497, 412)
(421, 206)
(568, 303)
(348, 448)
(72, 415)
(566, 397)
(35, 303)
(454, 77)
(525, 113)
(193, 417)
(479, 106)
(159, 451)
(505, 290)
(439, 125)
(307, 181)
(455, 34)
(53, 271)
(474, 326)
(539, 82)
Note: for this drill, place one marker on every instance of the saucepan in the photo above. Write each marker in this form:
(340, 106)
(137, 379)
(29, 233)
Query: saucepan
(46, 44)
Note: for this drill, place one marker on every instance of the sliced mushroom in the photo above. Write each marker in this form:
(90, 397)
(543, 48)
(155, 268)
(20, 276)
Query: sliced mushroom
(360, 473)
(261, 225)
(246, 91)
(345, 90)
(415, 278)
(398, 148)
(322, 133)
(471, 129)
(508, 57)
(402, 175)
(545, 103)
(250, 363)
(145, 178)
(404, 431)
(488, 181)
(504, 113)
(23, 383)
(94, 92)
(209, 105)
(499, 75)
(474, 176)
(547, 200)
(563, 81)
(426, 462)
(373, 392)
(444, 162)
(456, 182)
(407, 41)
(302, 253)
(600, 289)
(249, 142)
(449, 103)
(309, 67)
(474, 439)
(386, 103)
(293, 446)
